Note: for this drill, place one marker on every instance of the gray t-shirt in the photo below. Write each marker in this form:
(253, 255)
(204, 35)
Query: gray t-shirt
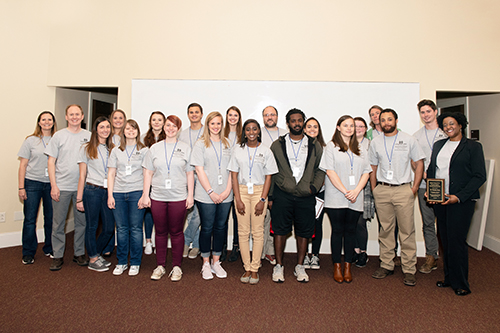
(190, 136)
(233, 139)
(128, 164)
(170, 163)
(426, 139)
(341, 162)
(33, 149)
(116, 140)
(268, 137)
(65, 147)
(97, 169)
(260, 160)
(296, 152)
(392, 155)
(214, 159)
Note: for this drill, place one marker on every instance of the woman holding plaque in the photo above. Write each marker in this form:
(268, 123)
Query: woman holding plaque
(460, 162)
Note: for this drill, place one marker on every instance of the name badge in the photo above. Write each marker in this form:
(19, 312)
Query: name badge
(250, 188)
(390, 174)
(168, 184)
(105, 182)
(46, 172)
(352, 181)
(296, 172)
(220, 180)
(128, 170)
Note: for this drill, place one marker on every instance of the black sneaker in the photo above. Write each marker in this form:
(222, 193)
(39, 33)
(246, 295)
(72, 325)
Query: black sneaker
(56, 264)
(362, 260)
(28, 260)
(81, 260)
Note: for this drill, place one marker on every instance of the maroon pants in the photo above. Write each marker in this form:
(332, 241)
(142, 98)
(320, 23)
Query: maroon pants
(169, 218)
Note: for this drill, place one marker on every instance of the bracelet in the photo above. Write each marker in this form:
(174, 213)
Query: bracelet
(262, 199)
(210, 191)
(78, 201)
(21, 188)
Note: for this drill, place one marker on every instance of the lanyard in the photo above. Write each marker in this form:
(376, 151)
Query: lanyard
(104, 165)
(298, 150)
(171, 155)
(392, 150)
(44, 146)
(251, 161)
(362, 140)
(268, 133)
(129, 156)
(197, 136)
(434, 138)
(351, 160)
(217, 155)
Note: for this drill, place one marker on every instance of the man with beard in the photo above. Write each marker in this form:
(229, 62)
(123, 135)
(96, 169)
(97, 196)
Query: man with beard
(268, 135)
(390, 156)
(292, 194)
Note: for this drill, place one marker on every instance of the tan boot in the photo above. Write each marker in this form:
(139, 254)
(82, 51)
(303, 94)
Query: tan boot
(429, 265)
(347, 272)
(337, 273)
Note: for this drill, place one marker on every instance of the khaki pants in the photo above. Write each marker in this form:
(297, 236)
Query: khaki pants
(250, 223)
(395, 205)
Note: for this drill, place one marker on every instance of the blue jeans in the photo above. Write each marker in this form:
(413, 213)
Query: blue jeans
(95, 203)
(128, 219)
(148, 223)
(213, 221)
(192, 232)
(36, 191)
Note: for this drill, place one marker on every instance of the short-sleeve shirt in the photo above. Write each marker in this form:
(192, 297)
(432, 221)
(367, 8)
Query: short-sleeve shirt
(65, 148)
(399, 149)
(130, 157)
(233, 139)
(97, 169)
(169, 163)
(296, 152)
(260, 159)
(340, 162)
(214, 159)
(268, 137)
(190, 136)
(426, 139)
(33, 149)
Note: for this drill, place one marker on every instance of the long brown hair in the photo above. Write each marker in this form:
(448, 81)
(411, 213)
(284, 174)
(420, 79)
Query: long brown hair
(111, 121)
(149, 139)
(206, 131)
(91, 146)
(319, 137)
(239, 127)
(339, 142)
(123, 141)
(38, 129)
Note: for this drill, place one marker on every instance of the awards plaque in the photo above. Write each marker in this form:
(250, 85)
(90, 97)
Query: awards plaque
(435, 190)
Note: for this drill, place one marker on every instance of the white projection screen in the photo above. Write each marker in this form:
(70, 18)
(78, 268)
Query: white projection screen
(326, 101)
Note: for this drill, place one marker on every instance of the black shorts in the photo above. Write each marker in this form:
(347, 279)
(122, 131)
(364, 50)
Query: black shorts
(290, 210)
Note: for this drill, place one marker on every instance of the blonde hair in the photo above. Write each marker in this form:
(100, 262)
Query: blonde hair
(206, 131)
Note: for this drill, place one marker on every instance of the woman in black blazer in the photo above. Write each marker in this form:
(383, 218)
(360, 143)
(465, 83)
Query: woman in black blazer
(460, 161)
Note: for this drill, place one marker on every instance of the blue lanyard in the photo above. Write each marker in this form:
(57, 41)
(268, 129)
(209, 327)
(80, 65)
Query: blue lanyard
(129, 156)
(44, 146)
(250, 165)
(268, 133)
(102, 158)
(351, 159)
(362, 140)
(197, 136)
(392, 150)
(171, 155)
(217, 155)
(298, 150)
(434, 138)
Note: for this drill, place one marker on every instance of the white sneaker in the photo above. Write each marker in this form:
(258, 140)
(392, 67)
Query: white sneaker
(206, 272)
(149, 248)
(300, 273)
(307, 262)
(175, 273)
(157, 273)
(218, 270)
(119, 269)
(279, 274)
(134, 270)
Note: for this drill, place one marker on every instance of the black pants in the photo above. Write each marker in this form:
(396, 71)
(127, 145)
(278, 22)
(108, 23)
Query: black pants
(343, 222)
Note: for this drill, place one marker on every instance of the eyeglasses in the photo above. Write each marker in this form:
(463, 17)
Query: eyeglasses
(270, 115)
(361, 126)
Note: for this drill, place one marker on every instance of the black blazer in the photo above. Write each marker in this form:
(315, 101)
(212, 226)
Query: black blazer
(467, 168)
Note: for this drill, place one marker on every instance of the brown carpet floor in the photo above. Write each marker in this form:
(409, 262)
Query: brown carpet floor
(75, 299)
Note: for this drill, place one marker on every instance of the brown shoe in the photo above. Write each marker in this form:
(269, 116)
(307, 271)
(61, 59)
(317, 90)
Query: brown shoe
(381, 273)
(429, 265)
(56, 264)
(81, 260)
(347, 272)
(410, 279)
(337, 273)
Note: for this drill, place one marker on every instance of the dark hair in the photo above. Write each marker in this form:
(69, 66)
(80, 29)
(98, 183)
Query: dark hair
(459, 117)
(294, 111)
(38, 129)
(339, 142)
(270, 106)
(371, 108)
(91, 146)
(195, 105)
(389, 111)
(427, 102)
(227, 129)
(320, 133)
(243, 138)
(123, 141)
(149, 139)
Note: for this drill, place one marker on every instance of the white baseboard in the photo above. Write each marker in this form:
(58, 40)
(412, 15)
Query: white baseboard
(492, 243)
(15, 238)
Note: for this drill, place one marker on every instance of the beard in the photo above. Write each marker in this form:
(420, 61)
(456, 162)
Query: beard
(296, 130)
(271, 125)
(388, 129)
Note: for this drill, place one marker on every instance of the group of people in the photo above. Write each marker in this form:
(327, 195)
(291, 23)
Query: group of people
(274, 180)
